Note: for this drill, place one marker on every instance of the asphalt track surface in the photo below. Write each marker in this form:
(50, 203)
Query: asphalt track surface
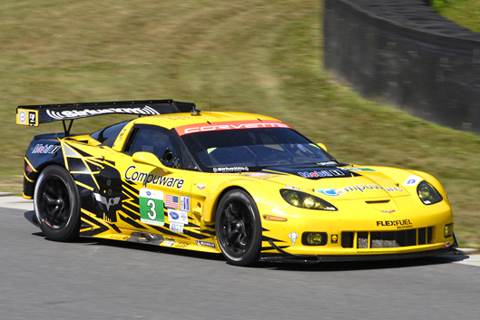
(42, 279)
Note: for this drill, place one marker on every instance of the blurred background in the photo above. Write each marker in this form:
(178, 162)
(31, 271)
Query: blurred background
(251, 55)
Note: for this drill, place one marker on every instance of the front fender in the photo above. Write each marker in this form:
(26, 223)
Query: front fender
(262, 191)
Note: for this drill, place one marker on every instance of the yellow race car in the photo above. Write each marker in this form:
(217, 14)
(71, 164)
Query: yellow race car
(244, 185)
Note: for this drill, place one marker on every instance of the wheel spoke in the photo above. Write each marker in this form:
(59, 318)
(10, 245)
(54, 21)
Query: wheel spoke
(55, 202)
(238, 228)
(234, 224)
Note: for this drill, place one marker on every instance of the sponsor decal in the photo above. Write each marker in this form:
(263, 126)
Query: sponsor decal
(131, 174)
(176, 227)
(395, 223)
(336, 192)
(47, 148)
(72, 114)
(357, 169)
(108, 202)
(185, 203)
(231, 125)
(293, 236)
(388, 211)
(260, 175)
(325, 163)
(178, 216)
(293, 188)
(181, 245)
(169, 242)
(322, 174)
(412, 181)
(32, 118)
(151, 207)
(27, 117)
(172, 201)
(205, 244)
(22, 117)
(231, 169)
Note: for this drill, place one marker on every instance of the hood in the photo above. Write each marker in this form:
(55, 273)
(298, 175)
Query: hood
(336, 183)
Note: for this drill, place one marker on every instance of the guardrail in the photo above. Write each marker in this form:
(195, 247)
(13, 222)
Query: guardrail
(405, 53)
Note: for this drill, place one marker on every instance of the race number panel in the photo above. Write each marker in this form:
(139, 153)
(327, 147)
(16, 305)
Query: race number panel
(151, 207)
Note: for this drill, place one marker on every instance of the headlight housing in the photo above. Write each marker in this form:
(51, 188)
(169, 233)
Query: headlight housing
(428, 194)
(306, 201)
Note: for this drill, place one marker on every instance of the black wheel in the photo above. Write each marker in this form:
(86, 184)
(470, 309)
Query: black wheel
(57, 204)
(238, 228)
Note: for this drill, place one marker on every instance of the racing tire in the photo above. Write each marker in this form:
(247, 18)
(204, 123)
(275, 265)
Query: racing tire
(238, 228)
(57, 204)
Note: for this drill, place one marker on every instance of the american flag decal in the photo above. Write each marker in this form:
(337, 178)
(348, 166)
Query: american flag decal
(171, 201)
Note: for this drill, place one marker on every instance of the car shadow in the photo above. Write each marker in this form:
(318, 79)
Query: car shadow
(367, 265)
(323, 266)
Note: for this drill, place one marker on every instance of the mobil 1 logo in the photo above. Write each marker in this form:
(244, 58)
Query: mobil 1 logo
(151, 207)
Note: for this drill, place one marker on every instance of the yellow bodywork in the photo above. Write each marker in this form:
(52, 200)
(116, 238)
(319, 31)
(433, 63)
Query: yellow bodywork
(376, 200)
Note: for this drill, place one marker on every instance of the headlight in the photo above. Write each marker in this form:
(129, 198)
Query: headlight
(304, 200)
(428, 194)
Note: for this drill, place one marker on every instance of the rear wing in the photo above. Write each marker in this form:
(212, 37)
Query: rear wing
(34, 115)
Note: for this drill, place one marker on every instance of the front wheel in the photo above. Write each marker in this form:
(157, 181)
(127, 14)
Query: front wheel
(238, 228)
(57, 204)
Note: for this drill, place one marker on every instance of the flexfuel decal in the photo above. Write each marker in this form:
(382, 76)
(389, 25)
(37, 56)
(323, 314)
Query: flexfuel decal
(406, 223)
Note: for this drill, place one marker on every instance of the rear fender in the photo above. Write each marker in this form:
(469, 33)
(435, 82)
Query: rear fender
(41, 153)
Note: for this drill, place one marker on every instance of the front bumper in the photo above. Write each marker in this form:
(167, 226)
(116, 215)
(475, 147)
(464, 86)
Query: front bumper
(283, 256)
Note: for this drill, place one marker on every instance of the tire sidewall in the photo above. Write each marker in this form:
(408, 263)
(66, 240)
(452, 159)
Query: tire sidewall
(71, 229)
(252, 255)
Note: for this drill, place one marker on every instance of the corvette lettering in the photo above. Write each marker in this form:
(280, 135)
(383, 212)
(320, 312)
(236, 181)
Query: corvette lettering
(72, 114)
(131, 174)
(235, 125)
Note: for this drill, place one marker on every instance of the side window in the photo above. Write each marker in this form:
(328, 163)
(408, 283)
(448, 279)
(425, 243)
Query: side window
(108, 135)
(156, 140)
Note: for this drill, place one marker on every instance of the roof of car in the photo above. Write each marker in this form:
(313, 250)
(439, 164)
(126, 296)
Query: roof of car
(170, 121)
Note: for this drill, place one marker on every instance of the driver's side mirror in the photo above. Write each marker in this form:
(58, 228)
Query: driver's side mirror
(321, 145)
(149, 159)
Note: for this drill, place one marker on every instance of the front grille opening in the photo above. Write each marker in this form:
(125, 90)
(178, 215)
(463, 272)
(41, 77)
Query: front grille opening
(387, 239)
(422, 236)
(347, 239)
(362, 240)
(393, 239)
(430, 235)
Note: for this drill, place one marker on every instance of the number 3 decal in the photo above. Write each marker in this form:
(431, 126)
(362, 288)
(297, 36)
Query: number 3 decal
(151, 202)
(151, 213)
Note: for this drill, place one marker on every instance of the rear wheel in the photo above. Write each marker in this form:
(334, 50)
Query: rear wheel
(57, 204)
(238, 228)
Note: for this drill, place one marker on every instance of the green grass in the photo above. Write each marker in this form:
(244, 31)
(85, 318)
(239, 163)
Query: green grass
(463, 12)
(250, 55)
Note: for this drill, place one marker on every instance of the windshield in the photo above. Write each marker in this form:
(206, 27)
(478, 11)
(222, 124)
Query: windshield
(253, 149)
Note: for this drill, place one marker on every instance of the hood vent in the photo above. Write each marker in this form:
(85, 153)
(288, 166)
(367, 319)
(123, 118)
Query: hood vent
(378, 201)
